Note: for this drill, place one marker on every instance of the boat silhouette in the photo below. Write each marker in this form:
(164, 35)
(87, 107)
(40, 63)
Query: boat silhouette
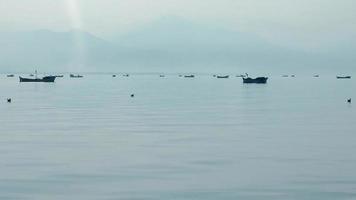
(258, 80)
(75, 76)
(46, 79)
(222, 76)
(343, 77)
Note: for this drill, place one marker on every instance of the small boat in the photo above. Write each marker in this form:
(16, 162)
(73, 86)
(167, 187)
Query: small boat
(10, 75)
(189, 76)
(126, 75)
(75, 76)
(285, 76)
(316, 76)
(162, 76)
(343, 77)
(293, 76)
(114, 75)
(46, 79)
(223, 76)
(258, 80)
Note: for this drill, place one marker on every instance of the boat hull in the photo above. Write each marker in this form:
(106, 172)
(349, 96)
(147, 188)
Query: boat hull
(222, 77)
(76, 76)
(259, 80)
(343, 77)
(46, 79)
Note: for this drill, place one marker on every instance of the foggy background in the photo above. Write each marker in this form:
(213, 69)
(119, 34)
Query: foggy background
(177, 36)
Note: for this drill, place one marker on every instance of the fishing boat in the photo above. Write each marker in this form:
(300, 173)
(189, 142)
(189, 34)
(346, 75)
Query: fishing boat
(343, 77)
(222, 76)
(75, 76)
(46, 79)
(189, 76)
(258, 80)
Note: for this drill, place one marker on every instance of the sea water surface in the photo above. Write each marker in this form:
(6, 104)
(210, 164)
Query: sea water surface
(197, 139)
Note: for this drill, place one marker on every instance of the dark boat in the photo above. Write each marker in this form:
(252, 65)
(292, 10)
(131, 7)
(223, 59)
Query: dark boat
(114, 75)
(162, 76)
(10, 75)
(222, 76)
(189, 76)
(46, 79)
(285, 76)
(343, 77)
(75, 76)
(293, 76)
(316, 76)
(258, 80)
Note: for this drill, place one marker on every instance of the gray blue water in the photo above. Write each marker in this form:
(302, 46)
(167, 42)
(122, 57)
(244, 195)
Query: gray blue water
(195, 139)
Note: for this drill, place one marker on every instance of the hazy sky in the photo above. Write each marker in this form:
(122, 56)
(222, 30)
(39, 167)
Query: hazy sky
(301, 21)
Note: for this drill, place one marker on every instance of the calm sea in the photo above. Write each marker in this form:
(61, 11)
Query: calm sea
(197, 139)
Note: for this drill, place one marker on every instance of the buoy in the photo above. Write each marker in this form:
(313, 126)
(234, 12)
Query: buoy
(9, 100)
(349, 100)
(132, 95)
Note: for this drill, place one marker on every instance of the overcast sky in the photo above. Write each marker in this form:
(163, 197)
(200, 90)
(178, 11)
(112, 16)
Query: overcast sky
(281, 21)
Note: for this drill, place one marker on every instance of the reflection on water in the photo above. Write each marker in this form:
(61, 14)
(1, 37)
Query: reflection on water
(200, 138)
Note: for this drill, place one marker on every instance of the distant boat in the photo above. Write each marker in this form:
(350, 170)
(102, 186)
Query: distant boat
(162, 76)
(189, 76)
(227, 76)
(114, 75)
(316, 76)
(258, 80)
(46, 79)
(293, 76)
(343, 77)
(75, 76)
(126, 75)
(285, 76)
(10, 75)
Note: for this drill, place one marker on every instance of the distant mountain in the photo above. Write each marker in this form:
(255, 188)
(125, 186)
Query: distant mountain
(169, 44)
(52, 51)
